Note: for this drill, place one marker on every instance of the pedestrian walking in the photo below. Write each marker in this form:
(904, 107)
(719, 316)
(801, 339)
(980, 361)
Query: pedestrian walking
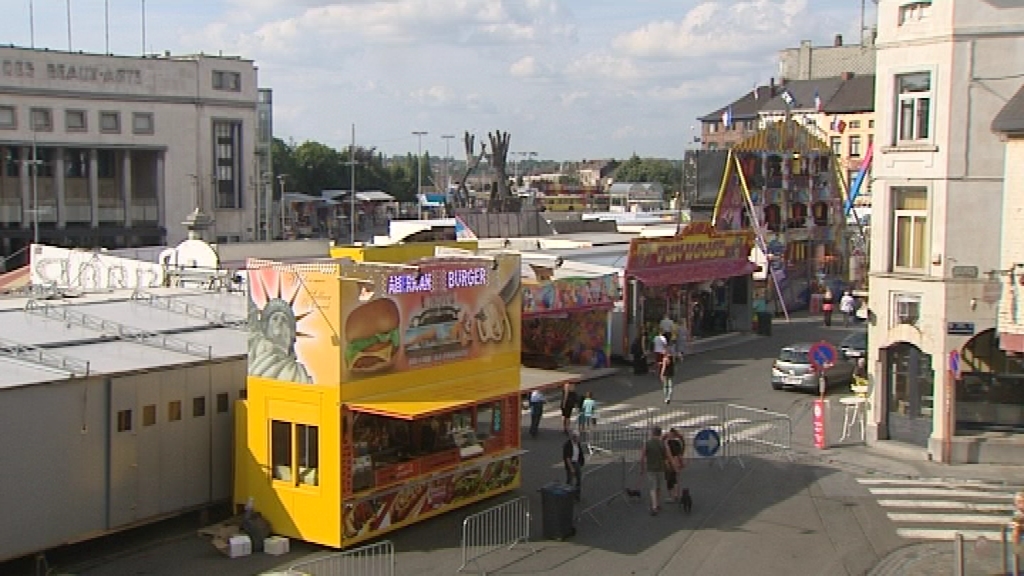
(587, 408)
(536, 411)
(653, 458)
(660, 344)
(569, 401)
(826, 306)
(675, 446)
(573, 459)
(848, 306)
(667, 371)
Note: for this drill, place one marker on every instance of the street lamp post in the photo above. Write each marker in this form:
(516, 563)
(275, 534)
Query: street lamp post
(352, 187)
(447, 171)
(281, 178)
(35, 162)
(419, 134)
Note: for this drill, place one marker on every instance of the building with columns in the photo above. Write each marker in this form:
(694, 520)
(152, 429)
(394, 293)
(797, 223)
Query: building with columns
(116, 151)
(940, 376)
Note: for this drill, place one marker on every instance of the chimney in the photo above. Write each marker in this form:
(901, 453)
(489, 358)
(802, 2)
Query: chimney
(847, 75)
(839, 40)
(771, 87)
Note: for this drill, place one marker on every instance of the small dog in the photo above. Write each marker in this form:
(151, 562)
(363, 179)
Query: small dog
(632, 494)
(686, 501)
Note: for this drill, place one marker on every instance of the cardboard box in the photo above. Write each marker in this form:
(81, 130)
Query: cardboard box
(239, 546)
(276, 545)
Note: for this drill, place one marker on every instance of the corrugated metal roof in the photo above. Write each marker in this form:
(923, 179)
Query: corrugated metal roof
(1010, 119)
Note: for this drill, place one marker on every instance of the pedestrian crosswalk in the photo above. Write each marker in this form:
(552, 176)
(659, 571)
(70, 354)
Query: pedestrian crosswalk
(924, 509)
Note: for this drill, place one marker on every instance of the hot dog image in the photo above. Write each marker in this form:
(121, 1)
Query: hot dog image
(372, 337)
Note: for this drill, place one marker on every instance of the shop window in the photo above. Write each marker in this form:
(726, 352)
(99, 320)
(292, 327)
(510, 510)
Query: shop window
(199, 406)
(820, 214)
(910, 229)
(149, 415)
(222, 402)
(174, 411)
(124, 421)
(281, 450)
(308, 454)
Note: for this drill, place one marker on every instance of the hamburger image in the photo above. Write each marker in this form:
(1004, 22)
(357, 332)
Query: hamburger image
(372, 337)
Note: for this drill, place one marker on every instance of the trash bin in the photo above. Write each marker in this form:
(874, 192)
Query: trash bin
(556, 511)
(764, 323)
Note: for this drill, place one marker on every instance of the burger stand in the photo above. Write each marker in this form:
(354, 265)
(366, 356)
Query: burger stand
(378, 394)
(568, 320)
(664, 275)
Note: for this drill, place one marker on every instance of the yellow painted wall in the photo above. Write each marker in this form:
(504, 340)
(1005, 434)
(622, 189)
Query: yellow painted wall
(310, 513)
(397, 253)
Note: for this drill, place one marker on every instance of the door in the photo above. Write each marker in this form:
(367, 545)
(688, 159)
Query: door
(122, 423)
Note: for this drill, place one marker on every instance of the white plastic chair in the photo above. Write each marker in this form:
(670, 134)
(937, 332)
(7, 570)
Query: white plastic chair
(855, 408)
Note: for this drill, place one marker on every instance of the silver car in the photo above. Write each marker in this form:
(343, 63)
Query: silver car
(793, 369)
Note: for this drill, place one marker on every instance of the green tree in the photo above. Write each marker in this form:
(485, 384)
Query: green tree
(664, 172)
(283, 158)
(318, 167)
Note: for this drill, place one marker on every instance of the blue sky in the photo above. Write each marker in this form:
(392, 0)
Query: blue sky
(570, 79)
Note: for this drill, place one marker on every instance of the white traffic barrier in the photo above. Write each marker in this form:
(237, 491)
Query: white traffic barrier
(501, 526)
(377, 559)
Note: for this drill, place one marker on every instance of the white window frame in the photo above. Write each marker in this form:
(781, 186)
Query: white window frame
(906, 309)
(855, 147)
(911, 215)
(837, 145)
(13, 124)
(915, 12)
(911, 132)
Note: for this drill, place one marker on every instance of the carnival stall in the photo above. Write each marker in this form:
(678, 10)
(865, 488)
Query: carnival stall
(568, 321)
(698, 279)
(783, 184)
(378, 394)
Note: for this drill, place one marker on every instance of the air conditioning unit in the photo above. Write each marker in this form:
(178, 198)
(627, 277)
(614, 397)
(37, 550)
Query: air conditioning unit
(908, 311)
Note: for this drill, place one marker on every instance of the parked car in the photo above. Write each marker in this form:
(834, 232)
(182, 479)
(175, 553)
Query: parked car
(793, 369)
(855, 345)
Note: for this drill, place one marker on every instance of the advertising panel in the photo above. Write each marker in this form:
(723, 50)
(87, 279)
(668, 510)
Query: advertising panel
(371, 516)
(568, 294)
(293, 322)
(698, 242)
(437, 311)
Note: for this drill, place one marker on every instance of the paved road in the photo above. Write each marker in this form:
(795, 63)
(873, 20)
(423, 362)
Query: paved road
(816, 514)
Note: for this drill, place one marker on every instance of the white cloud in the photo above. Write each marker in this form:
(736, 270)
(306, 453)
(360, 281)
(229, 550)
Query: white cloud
(715, 28)
(529, 67)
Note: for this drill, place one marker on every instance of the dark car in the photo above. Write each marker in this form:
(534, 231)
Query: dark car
(793, 369)
(855, 345)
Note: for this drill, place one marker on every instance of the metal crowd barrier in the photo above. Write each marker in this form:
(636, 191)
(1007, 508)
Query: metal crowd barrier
(501, 526)
(619, 492)
(377, 559)
(741, 430)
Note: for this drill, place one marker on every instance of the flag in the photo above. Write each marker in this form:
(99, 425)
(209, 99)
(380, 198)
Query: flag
(462, 231)
(755, 91)
(727, 117)
(817, 101)
(787, 98)
(834, 126)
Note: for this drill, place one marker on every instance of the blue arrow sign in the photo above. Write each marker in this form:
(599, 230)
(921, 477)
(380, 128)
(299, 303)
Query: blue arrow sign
(707, 442)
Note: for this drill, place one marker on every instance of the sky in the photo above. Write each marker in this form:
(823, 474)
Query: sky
(568, 79)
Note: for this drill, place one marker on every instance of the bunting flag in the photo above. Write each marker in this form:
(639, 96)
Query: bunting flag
(817, 102)
(838, 125)
(727, 117)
